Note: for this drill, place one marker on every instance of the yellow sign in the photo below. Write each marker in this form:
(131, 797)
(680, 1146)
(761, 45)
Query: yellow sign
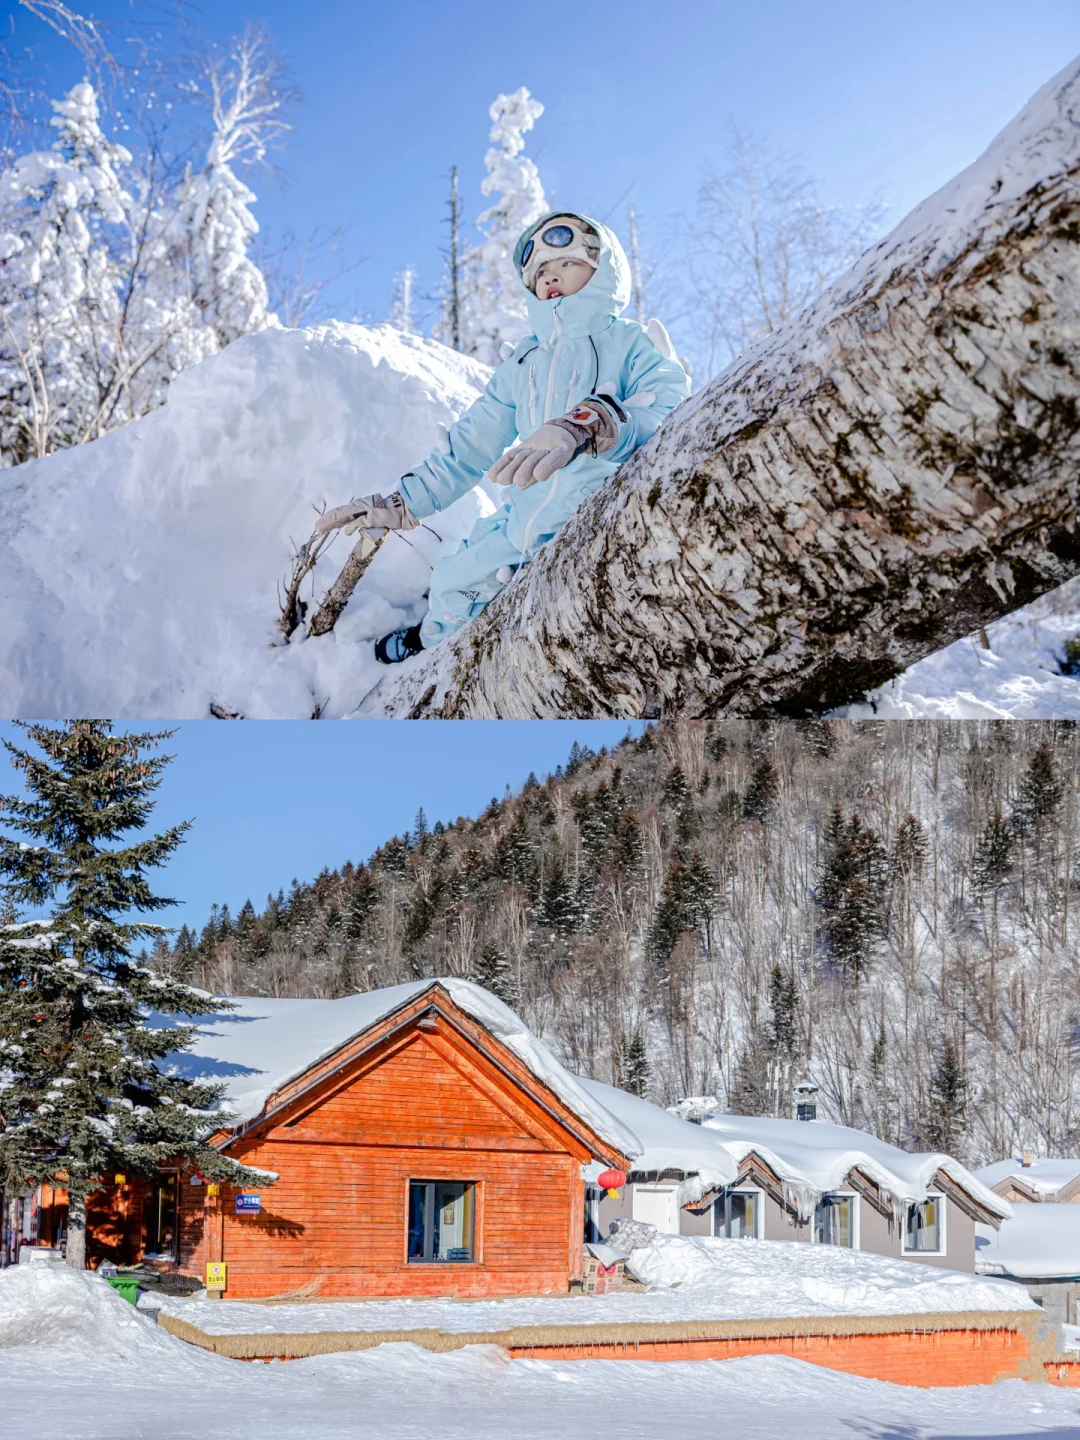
(216, 1271)
(213, 1191)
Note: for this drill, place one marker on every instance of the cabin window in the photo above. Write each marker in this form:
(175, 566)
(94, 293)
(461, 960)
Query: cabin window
(736, 1214)
(163, 1217)
(834, 1221)
(924, 1230)
(441, 1220)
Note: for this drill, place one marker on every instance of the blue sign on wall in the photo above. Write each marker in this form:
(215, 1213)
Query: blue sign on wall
(248, 1204)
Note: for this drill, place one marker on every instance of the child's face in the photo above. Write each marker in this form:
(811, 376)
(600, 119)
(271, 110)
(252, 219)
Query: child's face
(561, 277)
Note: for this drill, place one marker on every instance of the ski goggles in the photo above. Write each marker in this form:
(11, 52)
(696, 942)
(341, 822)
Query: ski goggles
(560, 241)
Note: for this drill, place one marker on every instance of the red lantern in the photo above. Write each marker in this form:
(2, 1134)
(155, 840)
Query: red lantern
(611, 1180)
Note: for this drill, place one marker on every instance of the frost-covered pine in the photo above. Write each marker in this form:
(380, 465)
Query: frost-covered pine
(81, 1094)
(492, 302)
(63, 225)
(401, 309)
(211, 230)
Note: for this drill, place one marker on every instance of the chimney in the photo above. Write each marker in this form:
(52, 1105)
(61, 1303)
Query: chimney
(1027, 1159)
(806, 1094)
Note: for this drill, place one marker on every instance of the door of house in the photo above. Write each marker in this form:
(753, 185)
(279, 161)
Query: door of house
(656, 1205)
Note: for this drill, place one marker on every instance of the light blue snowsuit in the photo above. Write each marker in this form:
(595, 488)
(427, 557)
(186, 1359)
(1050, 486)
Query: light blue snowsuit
(579, 347)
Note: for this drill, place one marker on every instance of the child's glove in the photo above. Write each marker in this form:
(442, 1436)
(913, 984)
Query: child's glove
(589, 428)
(371, 512)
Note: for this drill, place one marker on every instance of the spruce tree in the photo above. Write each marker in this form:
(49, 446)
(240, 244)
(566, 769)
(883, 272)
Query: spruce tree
(634, 1066)
(1041, 792)
(992, 862)
(685, 905)
(82, 1095)
(761, 794)
(495, 973)
(944, 1124)
(852, 891)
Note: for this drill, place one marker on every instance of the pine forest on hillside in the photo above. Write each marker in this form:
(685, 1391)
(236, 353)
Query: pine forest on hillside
(886, 909)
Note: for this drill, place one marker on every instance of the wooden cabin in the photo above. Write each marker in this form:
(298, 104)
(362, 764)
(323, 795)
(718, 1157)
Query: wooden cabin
(425, 1143)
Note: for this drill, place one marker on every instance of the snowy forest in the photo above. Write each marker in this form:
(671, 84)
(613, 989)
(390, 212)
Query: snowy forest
(131, 250)
(886, 910)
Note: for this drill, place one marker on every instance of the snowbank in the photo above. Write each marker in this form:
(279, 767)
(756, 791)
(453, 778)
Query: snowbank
(688, 1279)
(755, 1279)
(50, 1305)
(259, 1046)
(76, 1359)
(1041, 1241)
(139, 574)
(400, 1392)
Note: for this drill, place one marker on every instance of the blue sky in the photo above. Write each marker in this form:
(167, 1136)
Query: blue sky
(276, 799)
(890, 99)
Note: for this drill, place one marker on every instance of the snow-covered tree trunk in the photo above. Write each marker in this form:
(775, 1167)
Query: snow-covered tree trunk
(893, 469)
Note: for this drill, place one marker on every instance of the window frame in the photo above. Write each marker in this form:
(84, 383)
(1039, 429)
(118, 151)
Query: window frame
(471, 1189)
(724, 1199)
(943, 1237)
(856, 1236)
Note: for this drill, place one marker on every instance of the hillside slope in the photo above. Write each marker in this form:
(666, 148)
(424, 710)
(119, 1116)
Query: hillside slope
(887, 908)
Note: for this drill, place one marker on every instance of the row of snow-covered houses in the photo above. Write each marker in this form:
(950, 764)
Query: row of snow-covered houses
(425, 1142)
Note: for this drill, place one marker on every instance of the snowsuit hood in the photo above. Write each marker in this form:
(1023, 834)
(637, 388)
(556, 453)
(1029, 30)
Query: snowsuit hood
(595, 306)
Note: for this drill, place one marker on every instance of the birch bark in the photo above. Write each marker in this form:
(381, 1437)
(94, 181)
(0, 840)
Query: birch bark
(895, 468)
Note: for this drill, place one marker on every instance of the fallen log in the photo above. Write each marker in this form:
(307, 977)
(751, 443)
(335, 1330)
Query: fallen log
(894, 469)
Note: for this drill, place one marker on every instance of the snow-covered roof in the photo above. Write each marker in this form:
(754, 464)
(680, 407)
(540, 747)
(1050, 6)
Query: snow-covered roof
(669, 1145)
(812, 1158)
(1044, 1176)
(1040, 1241)
(261, 1045)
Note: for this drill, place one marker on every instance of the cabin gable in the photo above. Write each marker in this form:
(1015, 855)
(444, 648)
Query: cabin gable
(417, 1093)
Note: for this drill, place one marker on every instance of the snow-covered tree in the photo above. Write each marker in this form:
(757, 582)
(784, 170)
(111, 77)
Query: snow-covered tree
(401, 309)
(64, 216)
(492, 301)
(82, 1096)
(212, 227)
(113, 278)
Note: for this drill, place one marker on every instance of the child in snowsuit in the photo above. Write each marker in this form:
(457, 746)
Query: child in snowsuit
(585, 389)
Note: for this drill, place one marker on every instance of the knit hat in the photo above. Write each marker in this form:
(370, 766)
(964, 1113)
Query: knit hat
(565, 237)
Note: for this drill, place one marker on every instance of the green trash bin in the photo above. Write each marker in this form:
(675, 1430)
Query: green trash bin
(125, 1285)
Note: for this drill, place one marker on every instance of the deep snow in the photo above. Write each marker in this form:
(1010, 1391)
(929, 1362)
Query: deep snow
(139, 574)
(689, 1278)
(75, 1359)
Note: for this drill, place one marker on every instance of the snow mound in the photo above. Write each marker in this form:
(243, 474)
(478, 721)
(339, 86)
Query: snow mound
(50, 1306)
(139, 574)
(759, 1278)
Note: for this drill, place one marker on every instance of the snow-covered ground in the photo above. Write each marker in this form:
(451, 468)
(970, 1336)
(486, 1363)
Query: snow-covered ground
(76, 1360)
(139, 574)
(689, 1278)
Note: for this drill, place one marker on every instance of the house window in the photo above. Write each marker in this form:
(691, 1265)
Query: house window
(441, 1214)
(736, 1214)
(834, 1221)
(924, 1229)
(163, 1217)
